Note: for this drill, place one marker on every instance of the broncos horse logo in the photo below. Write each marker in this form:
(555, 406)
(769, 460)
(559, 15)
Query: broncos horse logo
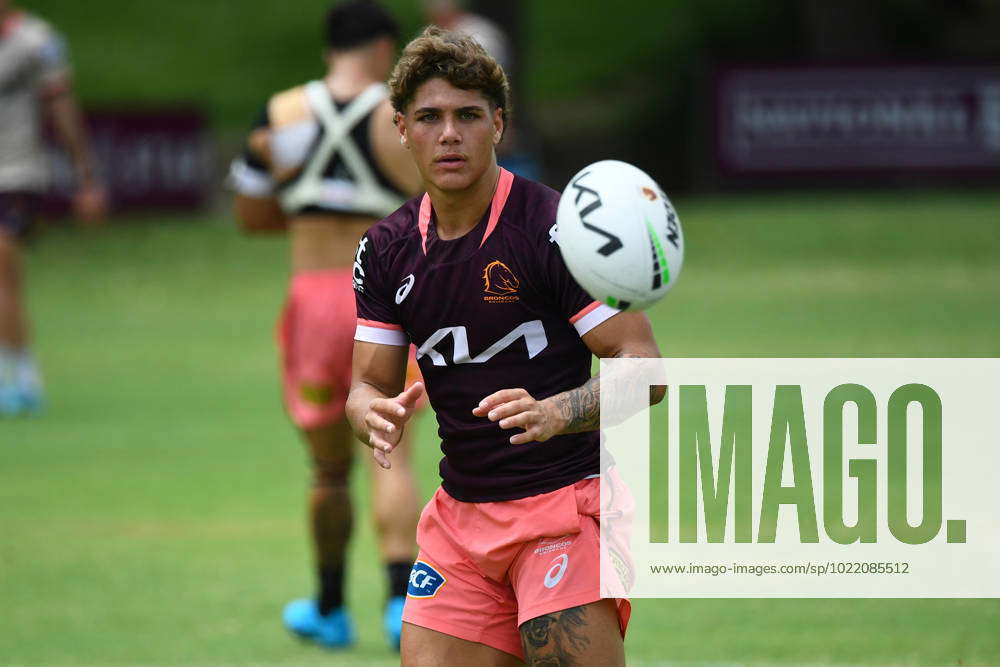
(498, 279)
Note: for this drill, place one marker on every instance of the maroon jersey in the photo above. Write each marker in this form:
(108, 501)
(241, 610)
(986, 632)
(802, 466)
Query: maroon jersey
(494, 309)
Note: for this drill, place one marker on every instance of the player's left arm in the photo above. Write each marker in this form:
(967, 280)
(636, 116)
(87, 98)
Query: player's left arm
(626, 335)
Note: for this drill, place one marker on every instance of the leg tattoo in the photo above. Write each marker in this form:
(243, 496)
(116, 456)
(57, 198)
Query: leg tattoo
(555, 640)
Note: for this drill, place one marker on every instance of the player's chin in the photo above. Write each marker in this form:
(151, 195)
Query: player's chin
(452, 182)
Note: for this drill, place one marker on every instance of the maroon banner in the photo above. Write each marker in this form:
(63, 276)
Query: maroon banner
(147, 159)
(858, 119)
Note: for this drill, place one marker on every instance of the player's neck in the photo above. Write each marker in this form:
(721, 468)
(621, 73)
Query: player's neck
(456, 213)
(348, 76)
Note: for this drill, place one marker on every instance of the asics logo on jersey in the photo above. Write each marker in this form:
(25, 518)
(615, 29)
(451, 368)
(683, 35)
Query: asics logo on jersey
(533, 333)
(425, 581)
(500, 282)
(359, 272)
(405, 288)
(556, 572)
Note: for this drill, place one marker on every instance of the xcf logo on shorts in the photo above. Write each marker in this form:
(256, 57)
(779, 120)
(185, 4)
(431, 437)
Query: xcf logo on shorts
(424, 581)
(556, 572)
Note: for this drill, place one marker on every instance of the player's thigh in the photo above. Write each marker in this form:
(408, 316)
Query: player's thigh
(585, 635)
(423, 647)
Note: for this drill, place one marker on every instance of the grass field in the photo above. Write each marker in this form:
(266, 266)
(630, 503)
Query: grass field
(155, 514)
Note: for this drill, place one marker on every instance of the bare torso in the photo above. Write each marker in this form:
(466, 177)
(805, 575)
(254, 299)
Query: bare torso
(324, 242)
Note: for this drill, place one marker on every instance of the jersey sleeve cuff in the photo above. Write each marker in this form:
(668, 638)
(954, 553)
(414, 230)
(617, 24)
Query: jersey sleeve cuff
(251, 182)
(370, 331)
(592, 315)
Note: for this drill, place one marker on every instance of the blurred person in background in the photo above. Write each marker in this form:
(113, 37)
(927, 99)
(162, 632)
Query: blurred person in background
(34, 85)
(453, 15)
(324, 162)
(515, 154)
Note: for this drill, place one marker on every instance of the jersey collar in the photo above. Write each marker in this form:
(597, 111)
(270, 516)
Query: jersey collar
(500, 195)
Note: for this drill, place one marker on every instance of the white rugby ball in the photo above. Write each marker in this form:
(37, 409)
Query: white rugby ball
(619, 235)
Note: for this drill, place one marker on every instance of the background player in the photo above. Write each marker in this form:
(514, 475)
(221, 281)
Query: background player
(508, 567)
(454, 15)
(324, 162)
(34, 82)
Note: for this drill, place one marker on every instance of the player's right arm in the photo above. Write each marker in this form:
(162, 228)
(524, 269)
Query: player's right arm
(376, 407)
(259, 214)
(90, 200)
(256, 205)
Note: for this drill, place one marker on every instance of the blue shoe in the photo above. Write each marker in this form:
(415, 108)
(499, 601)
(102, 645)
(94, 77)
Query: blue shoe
(335, 630)
(15, 402)
(31, 401)
(392, 620)
(10, 402)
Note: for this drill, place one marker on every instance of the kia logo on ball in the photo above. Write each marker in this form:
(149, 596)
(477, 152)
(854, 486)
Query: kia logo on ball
(614, 243)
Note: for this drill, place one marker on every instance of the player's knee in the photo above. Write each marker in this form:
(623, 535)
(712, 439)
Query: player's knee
(331, 471)
(9, 265)
(384, 518)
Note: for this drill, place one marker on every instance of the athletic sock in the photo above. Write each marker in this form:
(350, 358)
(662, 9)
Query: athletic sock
(331, 589)
(7, 364)
(399, 577)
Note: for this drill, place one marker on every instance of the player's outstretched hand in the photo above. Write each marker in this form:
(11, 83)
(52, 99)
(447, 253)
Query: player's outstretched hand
(386, 418)
(516, 408)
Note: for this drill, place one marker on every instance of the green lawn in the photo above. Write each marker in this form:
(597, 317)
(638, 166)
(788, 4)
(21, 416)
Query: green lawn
(155, 514)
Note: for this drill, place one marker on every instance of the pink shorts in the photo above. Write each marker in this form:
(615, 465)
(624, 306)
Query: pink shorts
(316, 338)
(486, 568)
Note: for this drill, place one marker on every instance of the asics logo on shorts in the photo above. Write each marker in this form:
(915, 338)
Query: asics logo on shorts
(424, 581)
(556, 572)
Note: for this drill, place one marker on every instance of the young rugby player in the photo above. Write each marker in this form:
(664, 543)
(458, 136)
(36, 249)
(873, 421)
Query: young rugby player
(34, 82)
(470, 273)
(324, 162)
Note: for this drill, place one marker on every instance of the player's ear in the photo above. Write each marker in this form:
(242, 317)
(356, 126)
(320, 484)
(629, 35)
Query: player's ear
(498, 125)
(400, 122)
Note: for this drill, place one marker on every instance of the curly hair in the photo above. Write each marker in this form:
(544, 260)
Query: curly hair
(455, 57)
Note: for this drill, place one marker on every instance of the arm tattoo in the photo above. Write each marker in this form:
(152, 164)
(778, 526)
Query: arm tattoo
(557, 639)
(580, 408)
